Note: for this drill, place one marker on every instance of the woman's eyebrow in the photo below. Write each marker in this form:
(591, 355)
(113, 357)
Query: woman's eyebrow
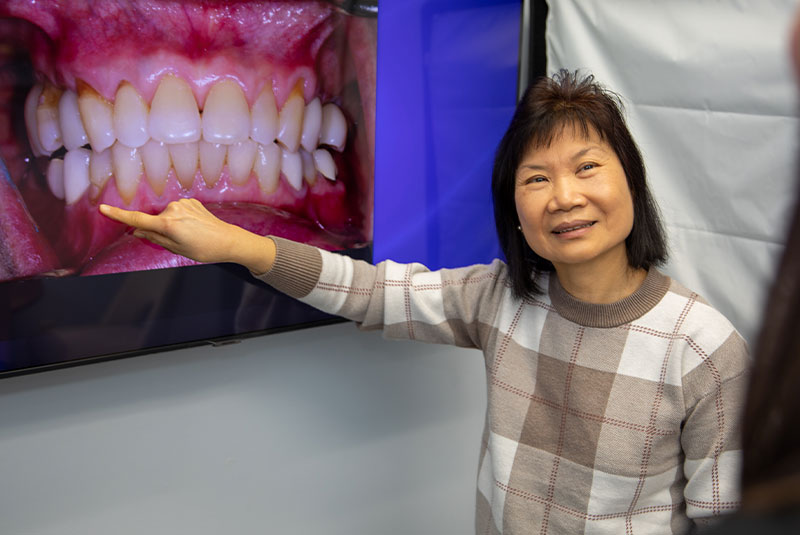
(578, 155)
(583, 152)
(533, 167)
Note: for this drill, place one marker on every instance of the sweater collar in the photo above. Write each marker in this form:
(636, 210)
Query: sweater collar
(625, 310)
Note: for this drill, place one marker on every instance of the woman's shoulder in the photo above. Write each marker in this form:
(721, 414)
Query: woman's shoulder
(691, 311)
(709, 342)
(491, 275)
(496, 268)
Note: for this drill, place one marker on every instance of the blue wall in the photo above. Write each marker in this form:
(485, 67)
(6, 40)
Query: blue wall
(446, 90)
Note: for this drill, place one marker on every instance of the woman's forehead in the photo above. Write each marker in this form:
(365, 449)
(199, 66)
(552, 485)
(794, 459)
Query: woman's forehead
(566, 136)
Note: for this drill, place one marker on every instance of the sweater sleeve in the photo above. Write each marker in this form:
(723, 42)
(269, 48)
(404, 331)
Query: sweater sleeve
(406, 301)
(714, 393)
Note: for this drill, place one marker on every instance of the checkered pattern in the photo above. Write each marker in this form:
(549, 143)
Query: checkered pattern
(624, 421)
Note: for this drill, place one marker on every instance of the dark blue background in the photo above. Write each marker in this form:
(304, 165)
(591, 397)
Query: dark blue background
(446, 90)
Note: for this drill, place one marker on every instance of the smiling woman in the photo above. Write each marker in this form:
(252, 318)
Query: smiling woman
(569, 128)
(614, 392)
(575, 209)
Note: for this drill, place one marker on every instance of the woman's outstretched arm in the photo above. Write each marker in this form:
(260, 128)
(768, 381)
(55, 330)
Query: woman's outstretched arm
(187, 228)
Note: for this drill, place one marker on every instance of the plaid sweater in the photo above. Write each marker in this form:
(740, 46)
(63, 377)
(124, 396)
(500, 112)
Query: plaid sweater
(618, 418)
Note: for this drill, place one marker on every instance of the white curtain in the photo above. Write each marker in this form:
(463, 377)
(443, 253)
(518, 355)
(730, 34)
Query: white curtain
(710, 98)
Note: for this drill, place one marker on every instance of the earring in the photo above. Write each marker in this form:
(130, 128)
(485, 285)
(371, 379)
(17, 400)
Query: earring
(519, 228)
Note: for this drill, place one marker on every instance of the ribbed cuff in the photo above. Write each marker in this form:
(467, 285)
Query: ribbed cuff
(296, 269)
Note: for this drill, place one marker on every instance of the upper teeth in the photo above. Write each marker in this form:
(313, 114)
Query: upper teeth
(130, 138)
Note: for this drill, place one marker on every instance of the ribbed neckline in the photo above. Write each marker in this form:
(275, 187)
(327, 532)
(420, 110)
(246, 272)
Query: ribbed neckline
(625, 310)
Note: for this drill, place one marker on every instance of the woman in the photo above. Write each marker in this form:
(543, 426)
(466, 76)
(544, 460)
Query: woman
(613, 392)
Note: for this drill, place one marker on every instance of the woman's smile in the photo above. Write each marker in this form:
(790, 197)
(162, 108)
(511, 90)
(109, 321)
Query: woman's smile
(573, 229)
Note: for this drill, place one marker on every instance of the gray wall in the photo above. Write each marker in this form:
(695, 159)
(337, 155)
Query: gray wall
(323, 430)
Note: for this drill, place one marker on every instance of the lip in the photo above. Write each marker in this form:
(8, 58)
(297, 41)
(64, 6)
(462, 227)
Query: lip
(572, 229)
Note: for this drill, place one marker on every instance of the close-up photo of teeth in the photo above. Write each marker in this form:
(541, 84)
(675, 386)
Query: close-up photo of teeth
(130, 139)
(263, 111)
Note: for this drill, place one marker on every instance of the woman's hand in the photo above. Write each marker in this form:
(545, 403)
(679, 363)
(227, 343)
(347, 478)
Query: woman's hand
(187, 228)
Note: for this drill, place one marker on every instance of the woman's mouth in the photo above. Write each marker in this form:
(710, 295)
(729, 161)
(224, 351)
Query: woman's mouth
(572, 226)
(264, 111)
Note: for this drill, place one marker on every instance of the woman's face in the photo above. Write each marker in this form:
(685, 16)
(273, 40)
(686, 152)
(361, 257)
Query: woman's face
(573, 202)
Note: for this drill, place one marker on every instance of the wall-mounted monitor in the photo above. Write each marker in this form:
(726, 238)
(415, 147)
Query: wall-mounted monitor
(354, 127)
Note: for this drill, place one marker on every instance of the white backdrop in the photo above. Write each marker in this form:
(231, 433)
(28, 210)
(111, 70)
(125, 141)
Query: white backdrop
(711, 101)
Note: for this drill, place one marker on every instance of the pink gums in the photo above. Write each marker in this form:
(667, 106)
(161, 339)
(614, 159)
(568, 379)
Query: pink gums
(104, 43)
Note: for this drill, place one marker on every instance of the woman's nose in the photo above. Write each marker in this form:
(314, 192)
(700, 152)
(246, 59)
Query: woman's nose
(566, 194)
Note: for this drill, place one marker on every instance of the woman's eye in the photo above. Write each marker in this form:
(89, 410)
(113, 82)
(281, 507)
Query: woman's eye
(587, 167)
(536, 179)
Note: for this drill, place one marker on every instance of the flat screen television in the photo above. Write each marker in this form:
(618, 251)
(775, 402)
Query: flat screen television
(410, 97)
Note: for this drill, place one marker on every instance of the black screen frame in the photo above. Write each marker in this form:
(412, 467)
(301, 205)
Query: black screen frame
(533, 45)
(54, 323)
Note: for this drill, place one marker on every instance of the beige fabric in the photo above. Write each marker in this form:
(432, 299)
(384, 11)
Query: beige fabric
(627, 423)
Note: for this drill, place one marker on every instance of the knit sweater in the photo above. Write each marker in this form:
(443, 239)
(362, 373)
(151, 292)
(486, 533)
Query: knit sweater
(614, 418)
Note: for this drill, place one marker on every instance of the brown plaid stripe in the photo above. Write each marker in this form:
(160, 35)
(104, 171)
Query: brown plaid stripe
(626, 425)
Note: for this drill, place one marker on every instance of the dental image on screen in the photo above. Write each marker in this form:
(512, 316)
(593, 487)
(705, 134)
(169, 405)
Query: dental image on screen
(263, 111)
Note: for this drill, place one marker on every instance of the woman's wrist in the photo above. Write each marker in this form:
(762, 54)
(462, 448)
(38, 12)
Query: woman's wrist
(256, 253)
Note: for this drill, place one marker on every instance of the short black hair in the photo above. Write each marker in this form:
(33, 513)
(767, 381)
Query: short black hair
(547, 107)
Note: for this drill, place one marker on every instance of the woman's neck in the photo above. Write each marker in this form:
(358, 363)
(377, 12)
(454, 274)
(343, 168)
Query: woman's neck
(600, 284)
